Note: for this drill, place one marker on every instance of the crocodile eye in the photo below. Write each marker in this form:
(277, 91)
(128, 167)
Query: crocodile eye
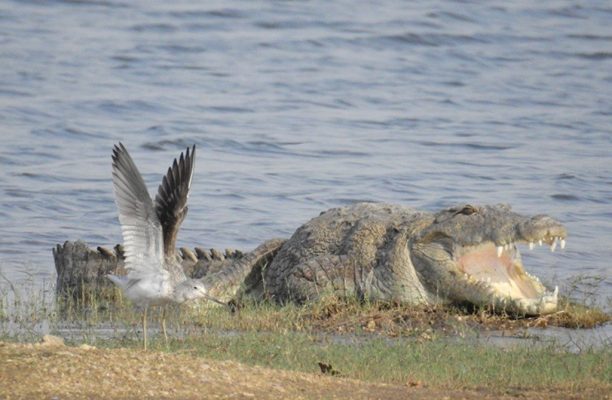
(468, 209)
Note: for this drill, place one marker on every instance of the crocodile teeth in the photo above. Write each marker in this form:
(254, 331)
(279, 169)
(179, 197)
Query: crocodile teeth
(540, 242)
(531, 245)
(553, 245)
(562, 242)
(554, 296)
(499, 250)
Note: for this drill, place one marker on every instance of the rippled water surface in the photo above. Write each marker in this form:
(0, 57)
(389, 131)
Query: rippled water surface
(300, 106)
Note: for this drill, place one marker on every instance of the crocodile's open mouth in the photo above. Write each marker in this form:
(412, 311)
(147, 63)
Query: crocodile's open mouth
(504, 274)
(500, 270)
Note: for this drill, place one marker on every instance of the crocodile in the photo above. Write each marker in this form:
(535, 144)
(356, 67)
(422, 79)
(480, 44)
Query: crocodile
(463, 255)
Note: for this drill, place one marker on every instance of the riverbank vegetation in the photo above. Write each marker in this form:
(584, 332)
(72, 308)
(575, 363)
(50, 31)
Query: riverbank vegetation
(441, 347)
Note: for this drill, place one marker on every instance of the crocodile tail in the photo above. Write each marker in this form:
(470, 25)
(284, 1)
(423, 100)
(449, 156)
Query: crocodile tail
(224, 284)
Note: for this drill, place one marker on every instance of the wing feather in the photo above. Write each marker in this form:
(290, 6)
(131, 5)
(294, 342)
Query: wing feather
(171, 199)
(140, 226)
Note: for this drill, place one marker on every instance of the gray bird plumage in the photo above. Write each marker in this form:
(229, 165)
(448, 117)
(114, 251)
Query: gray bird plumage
(149, 229)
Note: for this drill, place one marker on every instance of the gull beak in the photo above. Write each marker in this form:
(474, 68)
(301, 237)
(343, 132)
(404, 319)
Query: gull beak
(216, 301)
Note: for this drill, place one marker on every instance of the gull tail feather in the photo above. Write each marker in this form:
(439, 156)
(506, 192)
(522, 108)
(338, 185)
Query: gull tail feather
(121, 281)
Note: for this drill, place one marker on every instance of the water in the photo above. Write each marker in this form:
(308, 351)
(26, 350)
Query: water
(300, 106)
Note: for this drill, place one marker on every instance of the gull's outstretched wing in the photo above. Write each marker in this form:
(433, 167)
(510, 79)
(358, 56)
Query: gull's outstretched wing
(140, 226)
(171, 199)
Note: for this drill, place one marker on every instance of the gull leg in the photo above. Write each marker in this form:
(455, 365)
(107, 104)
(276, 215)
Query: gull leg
(144, 327)
(164, 324)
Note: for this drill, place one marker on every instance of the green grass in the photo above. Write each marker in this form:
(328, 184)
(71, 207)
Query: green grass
(439, 363)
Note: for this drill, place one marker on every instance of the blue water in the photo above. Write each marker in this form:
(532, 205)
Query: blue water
(300, 106)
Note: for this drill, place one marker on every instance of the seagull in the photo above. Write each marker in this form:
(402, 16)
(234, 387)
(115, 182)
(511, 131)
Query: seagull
(149, 229)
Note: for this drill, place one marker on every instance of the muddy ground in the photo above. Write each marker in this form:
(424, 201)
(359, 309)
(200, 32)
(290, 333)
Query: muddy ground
(51, 370)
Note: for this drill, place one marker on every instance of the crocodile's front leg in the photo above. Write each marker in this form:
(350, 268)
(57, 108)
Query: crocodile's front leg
(308, 281)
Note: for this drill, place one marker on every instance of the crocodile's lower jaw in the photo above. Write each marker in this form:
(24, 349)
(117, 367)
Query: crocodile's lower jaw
(505, 277)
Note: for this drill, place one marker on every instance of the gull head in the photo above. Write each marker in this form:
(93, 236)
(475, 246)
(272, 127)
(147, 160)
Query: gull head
(190, 289)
